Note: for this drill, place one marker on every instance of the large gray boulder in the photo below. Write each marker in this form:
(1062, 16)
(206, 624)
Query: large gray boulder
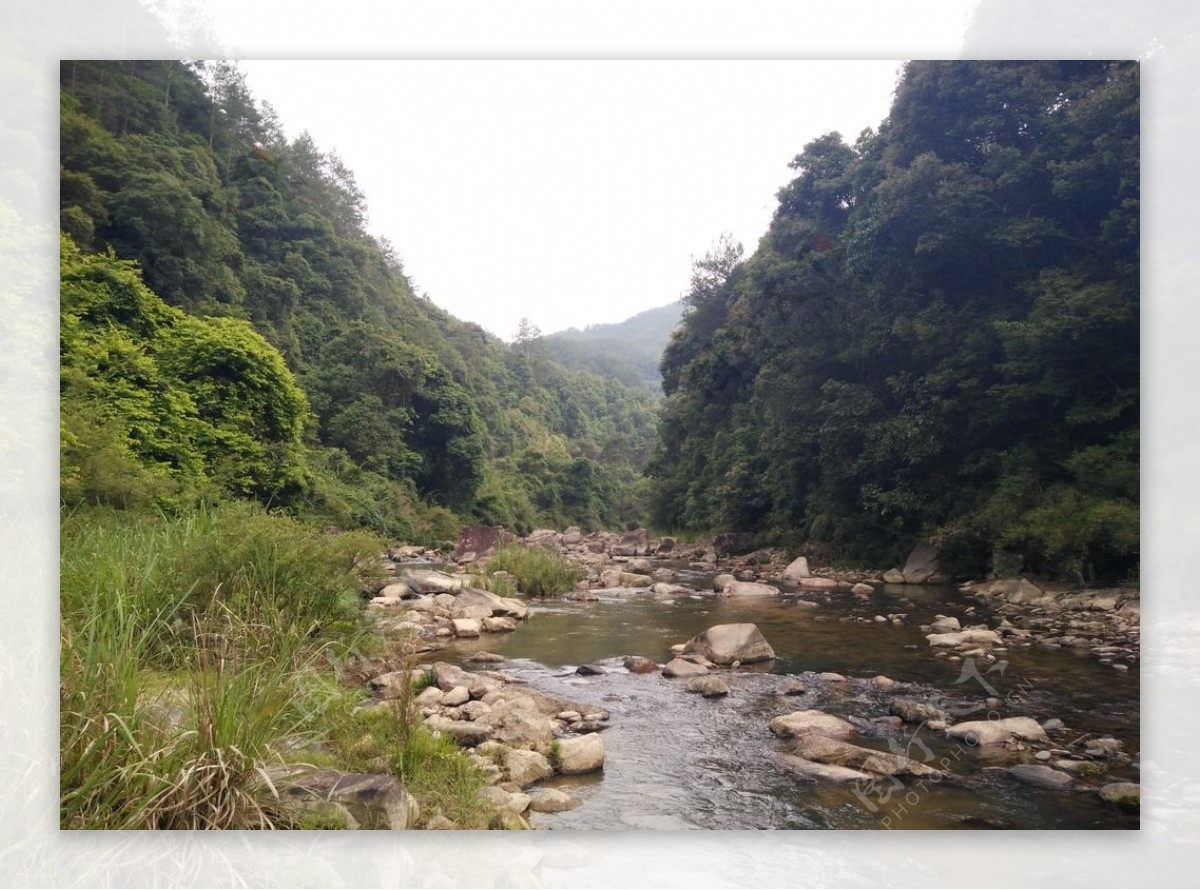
(517, 722)
(427, 581)
(997, 732)
(799, 723)
(797, 569)
(727, 643)
(1042, 776)
(632, 543)
(749, 588)
(681, 667)
(822, 772)
(956, 638)
(823, 749)
(921, 565)
(582, 754)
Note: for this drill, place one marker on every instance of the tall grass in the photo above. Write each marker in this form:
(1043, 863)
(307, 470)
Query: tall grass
(539, 571)
(185, 647)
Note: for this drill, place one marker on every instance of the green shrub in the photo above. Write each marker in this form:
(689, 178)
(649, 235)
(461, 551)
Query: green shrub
(187, 648)
(539, 571)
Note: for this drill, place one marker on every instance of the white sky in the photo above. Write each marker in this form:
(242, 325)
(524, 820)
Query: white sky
(573, 192)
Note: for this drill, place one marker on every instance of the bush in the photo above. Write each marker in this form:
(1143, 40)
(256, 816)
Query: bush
(187, 648)
(539, 571)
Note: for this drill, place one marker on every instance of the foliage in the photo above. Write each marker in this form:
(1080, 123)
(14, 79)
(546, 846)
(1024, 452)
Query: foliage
(537, 571)
(186, 648)
(176, 166)
(937, 337)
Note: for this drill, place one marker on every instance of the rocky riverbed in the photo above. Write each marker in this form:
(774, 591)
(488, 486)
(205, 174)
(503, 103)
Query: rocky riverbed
(861, 731)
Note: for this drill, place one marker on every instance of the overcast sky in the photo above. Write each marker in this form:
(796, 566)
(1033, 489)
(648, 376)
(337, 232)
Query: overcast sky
(569, 192)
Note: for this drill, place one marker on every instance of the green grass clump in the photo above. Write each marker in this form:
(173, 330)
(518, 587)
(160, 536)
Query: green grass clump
(539, 571)
(187, 648)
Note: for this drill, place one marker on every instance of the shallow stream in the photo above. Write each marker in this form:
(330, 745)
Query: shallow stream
(676, 760)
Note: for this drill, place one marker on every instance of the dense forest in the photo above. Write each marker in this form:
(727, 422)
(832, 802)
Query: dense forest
(938, 337)
(629, 351)
(229, 328)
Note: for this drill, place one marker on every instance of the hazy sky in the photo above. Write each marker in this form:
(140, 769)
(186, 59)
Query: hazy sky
(568, 192)
(571, 192)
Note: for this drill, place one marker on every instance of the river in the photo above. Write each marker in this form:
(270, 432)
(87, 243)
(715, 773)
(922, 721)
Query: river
(675, 760)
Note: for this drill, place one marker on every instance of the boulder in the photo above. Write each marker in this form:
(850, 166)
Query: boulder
(957, 638)
(525, 767)
(399, 590)
(467, 733)
(822, 772)
(727, 643)
(590, 670)
(459, 695)
(582, 754)
(467, 627)
(499, 625)
(551, 800)
(572, 536)
(430, 696)
(505, 801)
(666, 545)
(1124, 794)
(912, 711)
(796, 569)
(921, 565)
(749, 588)
(997, 732)
(447, 676)
(862, 588)
(720, 582)
(618, 578)
(818, 583)
(679, 667)
(893, 576)
(517, 722)
(663, 589)
(945, 625)
(541, 537)
(510, 607)
(357, 800)
(822, 749)
(427, 581)
(1042, 776)
(709, 687)
(637, 664)
(800, 723)
(632, 543)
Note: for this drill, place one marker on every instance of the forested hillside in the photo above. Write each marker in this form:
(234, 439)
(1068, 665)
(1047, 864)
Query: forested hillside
(938, 336)
(629, 351)
(384, 410)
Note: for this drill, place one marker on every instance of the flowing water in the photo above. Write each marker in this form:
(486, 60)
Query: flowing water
(676, 760)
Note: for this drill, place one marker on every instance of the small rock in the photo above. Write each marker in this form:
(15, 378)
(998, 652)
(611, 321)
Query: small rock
(709, 687)
(1042, 776)
(800, 723)
(1053, 725)
(793, 687)
(551, 800)
(1127, 795)
(883, 682)
(861, 588)
(583, 754)
(678, 667)
(636, 664)
(456, 696)
(486, 658)
(830, 677)
(590, 670)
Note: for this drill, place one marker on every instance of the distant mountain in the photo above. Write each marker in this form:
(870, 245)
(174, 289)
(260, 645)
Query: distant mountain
(628, 351)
